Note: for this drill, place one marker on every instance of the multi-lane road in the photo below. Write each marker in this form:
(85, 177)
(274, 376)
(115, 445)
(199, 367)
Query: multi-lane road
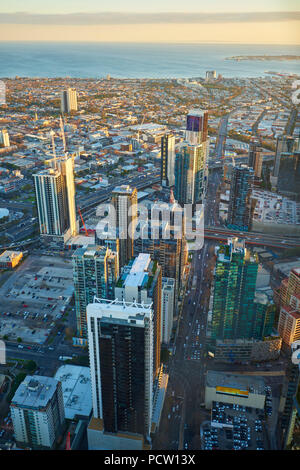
(253, 238)
(139, 182)
(182, 414)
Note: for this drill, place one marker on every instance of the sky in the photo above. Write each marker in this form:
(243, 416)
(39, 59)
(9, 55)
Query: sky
(233, 21)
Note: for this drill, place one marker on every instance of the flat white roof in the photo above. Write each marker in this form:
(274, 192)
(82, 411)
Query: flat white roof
(119, 310)
(35, 392)
(76, 387)
(138, 270)
(141, 263)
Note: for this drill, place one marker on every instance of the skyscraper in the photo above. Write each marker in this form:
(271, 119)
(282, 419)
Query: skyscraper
(95, 272)
(289, 393)
(191, 158)
(210, 75)
(196, 127)
(124, 201)
(68, 101)
(237, 312)
(289, 318)
(37, 411)
(166, 247)
(141, 281)
(55, 197)
(120, 336)
(285, 176)
(190, 174)
(289, 324)
(168, 160)
(167, 308)
(284, 145)
(290, 288)
(239, 209)
(255, 158)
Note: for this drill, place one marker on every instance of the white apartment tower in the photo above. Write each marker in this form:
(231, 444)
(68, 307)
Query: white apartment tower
(168, 160)
(37, 411)
(68, 101)
(124, 201)
(55, 197)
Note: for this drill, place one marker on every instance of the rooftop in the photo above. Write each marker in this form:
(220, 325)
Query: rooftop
(124, 189)
(242, 382)
(76, 387)
(138, 272)
(35, 392)
(7, 255)
(121, 311)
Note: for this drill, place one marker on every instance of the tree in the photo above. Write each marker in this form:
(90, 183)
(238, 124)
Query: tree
(19, 340)
(30, 365)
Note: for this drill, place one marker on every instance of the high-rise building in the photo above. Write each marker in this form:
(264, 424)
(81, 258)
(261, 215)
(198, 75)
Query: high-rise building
(68, 101)
(290, 288)
(289, 394)
(239, 208)
(285, 177)
(167, 308)
(4, 138)
(124, 201)
(55, 197)
(170, 253)
(196, 127)
(141, 281)
(168, 246)
(95, 272)
(168, 160)
(210, 75)
(255, 158)
(289, 324)
(190, 168)
(237, 312)
(120, 337)
(289, 318)
(190, 161)
(37, 411)
(285, 144)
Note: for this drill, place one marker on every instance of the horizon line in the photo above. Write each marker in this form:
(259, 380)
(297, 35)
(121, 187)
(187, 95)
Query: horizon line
(146, 42)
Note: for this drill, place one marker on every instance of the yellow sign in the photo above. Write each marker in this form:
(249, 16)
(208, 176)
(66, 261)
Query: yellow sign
(232, 391)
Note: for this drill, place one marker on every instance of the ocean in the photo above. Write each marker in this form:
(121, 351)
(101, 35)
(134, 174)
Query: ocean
(130, 60)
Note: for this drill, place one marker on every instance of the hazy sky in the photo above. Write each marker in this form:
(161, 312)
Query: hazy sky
(267, 21)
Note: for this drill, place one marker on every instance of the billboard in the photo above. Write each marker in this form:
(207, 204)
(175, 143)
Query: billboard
(232, 391)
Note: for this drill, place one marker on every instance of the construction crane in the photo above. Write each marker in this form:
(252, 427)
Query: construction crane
(86, 232)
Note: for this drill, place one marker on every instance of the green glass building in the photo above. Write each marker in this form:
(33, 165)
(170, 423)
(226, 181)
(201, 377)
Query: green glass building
(237, 312)
(95, 272)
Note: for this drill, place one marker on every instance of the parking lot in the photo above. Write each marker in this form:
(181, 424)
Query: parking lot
(234, 427)
(34, 296)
